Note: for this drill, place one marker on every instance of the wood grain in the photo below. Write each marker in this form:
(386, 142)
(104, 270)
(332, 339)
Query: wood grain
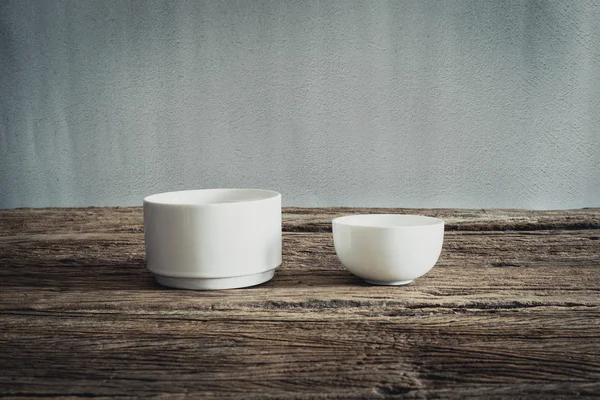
(512, 309)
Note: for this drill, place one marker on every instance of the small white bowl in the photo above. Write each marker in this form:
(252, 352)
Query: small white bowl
(388, 249)
(213, 238)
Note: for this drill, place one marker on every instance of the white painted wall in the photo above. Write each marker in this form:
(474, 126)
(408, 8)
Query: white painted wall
(355, 103)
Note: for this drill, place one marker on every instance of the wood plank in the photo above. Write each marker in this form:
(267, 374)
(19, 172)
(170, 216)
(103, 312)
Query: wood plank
(130, 219)
(400, 354)
(302, 219)
(538, 258)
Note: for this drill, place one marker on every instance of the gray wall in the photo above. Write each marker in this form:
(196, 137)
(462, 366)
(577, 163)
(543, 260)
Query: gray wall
(356, 103)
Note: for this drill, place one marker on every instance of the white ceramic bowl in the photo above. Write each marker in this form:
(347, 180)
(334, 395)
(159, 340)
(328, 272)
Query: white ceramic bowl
(388, 249)
(214, 238)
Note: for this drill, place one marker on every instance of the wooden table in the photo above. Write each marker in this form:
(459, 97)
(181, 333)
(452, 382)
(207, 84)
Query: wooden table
(511, 309)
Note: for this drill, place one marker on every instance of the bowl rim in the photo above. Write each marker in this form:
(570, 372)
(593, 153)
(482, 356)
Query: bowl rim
(350, 220)
(166, 198)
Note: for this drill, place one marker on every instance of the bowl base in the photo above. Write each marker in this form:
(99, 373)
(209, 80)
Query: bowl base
(390, 283)
(215, 283)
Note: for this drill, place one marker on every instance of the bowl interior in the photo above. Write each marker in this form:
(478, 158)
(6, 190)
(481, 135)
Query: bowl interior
(388, 220)
(211, 196)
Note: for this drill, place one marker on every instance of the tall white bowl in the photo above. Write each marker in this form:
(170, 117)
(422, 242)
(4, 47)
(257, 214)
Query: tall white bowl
(388, 249)
(213, 238)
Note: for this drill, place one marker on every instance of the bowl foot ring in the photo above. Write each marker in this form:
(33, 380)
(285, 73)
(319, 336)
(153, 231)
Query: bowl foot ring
(390, 283)
(215, 283)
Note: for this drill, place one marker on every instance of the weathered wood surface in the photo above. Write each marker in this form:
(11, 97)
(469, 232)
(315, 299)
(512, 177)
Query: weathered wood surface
(512, 309)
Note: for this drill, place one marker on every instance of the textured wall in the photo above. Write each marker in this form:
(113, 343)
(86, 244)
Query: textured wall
(371, 103)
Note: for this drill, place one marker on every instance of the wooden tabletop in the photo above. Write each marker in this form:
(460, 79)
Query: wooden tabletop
(512, 309)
